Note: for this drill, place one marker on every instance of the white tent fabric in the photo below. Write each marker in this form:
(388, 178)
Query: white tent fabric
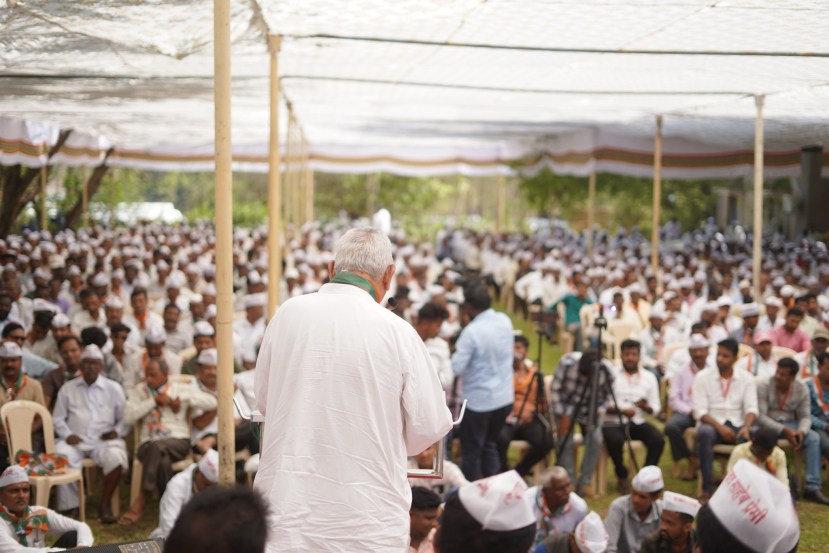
(423, 86)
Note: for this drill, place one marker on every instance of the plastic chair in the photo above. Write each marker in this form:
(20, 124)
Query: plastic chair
(744, 350)
(783, 353)
(668, 350)
(18, 417)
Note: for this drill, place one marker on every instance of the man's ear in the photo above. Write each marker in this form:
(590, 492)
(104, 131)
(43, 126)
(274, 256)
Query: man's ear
(388, 276)
(331, 272)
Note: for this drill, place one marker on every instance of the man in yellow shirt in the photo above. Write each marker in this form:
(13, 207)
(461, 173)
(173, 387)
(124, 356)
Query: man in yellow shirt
(762, 450)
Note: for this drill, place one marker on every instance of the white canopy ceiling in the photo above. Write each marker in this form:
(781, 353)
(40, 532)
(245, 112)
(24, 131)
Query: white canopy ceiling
(427, 86)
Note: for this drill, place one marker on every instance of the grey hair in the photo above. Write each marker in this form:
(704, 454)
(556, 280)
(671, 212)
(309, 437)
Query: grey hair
(550, 474)
(365, 250)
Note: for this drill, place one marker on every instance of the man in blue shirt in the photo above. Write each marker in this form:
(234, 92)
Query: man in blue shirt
(483, 359)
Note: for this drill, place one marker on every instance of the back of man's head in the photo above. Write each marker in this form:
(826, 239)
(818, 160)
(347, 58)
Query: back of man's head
(432, 312)
(221, 520)
(365, 250)
(477, 298)
(424, 499)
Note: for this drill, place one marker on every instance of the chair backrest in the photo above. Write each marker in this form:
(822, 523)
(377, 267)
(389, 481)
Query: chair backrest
(744, 350)
(669, 350)
(182, 378)
(186, 353)
(783, 353)
(18, 417)
(621, 329)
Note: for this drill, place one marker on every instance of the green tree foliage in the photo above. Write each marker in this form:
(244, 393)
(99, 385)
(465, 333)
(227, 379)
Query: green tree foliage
(620, 200)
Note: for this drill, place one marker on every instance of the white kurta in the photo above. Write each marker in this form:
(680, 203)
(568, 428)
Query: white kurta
(178, 492)
(348, 390)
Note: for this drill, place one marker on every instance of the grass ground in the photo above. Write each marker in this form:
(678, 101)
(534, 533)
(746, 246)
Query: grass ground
(813, 518)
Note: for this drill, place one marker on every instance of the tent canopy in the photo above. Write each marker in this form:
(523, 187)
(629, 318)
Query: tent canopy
(423, 86)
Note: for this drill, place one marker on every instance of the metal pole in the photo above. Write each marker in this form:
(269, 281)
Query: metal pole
(309, 191)
(224, 237)
(591, 207)
(758, 195)
(657, 196)
(44, 219)
(274, 185)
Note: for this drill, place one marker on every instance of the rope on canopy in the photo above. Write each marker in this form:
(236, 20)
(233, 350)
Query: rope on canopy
(632, 51)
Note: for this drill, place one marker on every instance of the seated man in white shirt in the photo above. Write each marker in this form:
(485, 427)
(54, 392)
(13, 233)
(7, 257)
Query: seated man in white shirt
(761, 363)
(637, 394)
(88, 423)
(557, 508)
(155, 341)
(725, 407)
(182, 488)
(679, 398)
(24, 527)
(654, 338)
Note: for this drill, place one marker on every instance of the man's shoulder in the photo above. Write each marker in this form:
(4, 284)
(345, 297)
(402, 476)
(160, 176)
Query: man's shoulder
(578, 503)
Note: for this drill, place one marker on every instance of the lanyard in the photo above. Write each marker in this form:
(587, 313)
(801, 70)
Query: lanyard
(727, 387)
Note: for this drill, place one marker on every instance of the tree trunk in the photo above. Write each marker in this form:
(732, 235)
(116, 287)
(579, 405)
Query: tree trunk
(73, 216)
(17, 189)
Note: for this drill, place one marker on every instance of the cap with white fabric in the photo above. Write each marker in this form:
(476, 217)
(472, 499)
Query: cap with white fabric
(710, 307)
(155, 335)
(14, 474)
(203, 328)
(749, 310)
(114, 302)
(591, 535)
(756, 509)
(100, 280)
(774, 301)
(209, 356)
(500, 502)
(724, 301)
(209, 465)
(60, 321)
(648, 479)
(255, 300)
(10, 350)
(658, 313)
(787, 290)
(92, 352)
(698, 341)
(209, 289)
(39, 304)
(679, 503)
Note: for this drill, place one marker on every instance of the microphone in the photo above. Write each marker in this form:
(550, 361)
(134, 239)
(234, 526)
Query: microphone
(392, 303)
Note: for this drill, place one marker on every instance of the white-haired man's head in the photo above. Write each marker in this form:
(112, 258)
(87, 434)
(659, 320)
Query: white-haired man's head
(365, 251)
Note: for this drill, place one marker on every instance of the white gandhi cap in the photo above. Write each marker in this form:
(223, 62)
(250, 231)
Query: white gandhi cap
(756, 509)
(14, 474)
(209, 465)
(591, 535)
(648, 480)
(499, 503)
(679, 503)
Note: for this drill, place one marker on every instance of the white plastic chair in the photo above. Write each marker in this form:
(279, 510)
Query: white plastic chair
(18, 417)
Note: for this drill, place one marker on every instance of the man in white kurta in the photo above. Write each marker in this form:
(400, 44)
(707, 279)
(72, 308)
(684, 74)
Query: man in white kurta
(348, 390)
(181, 489)
(88, 419)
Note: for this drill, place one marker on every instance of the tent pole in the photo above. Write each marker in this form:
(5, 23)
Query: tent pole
(224, 237)
(758, 195)
(274, 184)
(657, 197)
(44, 219)
(591, 209)
(298, 170)
(309, 188)
(85, 197)
(501, 207)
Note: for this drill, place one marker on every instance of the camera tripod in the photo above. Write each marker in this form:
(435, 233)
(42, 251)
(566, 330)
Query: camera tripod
(590, 393)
